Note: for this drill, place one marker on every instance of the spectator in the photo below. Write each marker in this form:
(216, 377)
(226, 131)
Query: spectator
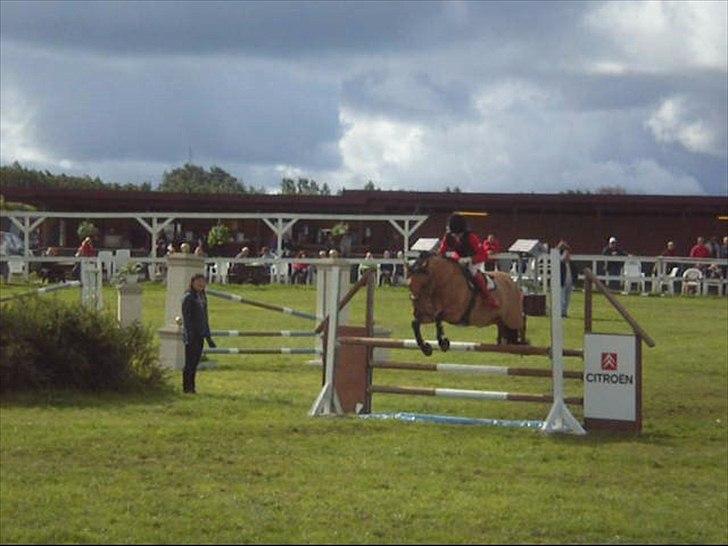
(714, 247)
(185, 248)
(491, 245)
(200, 250)
(699, 250)
(367, 264)
(387, 270)
(614, 269)
(4, 268)
(51, 272)
(568, 276)
(724, 254)
(300, 270)
(713, 272)
(86, 250)
(399, 268)
(667, 253)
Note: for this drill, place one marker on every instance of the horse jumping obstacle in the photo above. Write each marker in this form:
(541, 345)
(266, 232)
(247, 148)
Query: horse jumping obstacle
(43, 290)
(353, 389)
(90, 285)
(275, 333)
(181, 268)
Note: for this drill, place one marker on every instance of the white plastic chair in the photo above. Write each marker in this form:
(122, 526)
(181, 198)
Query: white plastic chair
(218, 272)
(106, 260)
(15, 267)
(692, 279)
(669, 281)
(631, 275)
(121, 258)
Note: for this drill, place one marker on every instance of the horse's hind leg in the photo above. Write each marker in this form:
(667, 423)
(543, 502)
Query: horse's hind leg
(442, 341)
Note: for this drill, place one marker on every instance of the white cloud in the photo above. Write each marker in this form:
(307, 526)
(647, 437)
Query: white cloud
(663, 36)
(522, 141)
(17, 130)
(374, 146)
(673, 122)
(640, 176)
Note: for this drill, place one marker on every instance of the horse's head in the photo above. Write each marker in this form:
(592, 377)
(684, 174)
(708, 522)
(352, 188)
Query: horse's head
(419, 281)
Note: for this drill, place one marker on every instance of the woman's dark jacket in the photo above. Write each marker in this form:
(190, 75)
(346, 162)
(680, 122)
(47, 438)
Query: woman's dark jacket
(194, 316)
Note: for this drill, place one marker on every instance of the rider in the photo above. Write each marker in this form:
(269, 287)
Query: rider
(463, 246)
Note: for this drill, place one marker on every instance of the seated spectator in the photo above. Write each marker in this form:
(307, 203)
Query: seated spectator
(300, 271)
(614, 269)
(171, 249)
(667, 253)
(399, 274)
(387, 270)
(364, 266)
(185, 248)
(713, 272)
(200, 250)
(51, 272)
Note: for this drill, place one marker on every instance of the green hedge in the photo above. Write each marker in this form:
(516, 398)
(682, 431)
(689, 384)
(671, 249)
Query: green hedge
(47, 343)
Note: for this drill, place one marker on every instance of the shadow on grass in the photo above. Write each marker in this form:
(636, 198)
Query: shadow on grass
(70, 399)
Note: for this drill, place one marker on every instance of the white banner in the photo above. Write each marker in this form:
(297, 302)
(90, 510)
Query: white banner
(610, 378)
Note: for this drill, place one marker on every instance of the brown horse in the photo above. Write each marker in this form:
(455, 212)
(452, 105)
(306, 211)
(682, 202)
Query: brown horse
(440, 292)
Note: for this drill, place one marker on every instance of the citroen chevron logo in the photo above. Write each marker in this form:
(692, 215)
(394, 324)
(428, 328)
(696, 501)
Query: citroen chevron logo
(609, 361)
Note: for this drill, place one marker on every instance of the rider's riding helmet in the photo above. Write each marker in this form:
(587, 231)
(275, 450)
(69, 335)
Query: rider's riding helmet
(456, 224)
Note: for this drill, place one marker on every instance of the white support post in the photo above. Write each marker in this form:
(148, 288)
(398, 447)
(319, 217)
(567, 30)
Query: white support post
(560, 418)
(91, 293)
(327, 402)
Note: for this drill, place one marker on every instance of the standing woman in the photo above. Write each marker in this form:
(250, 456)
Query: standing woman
(196, 329)
(568, 276)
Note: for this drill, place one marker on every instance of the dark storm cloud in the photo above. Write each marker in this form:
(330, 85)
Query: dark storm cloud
(485, 95)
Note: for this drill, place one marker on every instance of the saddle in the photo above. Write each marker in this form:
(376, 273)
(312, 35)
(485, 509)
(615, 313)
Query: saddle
(474, 293)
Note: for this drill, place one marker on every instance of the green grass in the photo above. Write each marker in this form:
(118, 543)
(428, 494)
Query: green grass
(242, 462)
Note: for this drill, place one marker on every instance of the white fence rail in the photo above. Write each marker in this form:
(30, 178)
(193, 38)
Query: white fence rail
(649, 273)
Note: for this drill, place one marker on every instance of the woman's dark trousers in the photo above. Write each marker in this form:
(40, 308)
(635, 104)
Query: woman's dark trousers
(193, 353)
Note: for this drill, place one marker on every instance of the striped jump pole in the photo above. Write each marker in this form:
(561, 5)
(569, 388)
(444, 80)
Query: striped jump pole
(274, 351)
(457, 346)
(273, 333)
(472, 394)
(268, 306)
(44, 290)
(474, 369)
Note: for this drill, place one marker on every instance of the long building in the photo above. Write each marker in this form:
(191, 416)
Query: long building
(642, 223)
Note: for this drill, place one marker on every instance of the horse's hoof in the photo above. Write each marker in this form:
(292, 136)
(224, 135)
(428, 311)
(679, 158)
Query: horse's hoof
(444, 344)
(426, 349)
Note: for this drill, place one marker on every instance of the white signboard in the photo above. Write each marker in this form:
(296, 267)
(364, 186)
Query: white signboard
(426, 245)
(610, 378)
(527, 246)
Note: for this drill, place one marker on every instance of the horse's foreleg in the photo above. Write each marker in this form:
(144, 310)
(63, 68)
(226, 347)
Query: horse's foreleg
(442, 341)
(425, 347)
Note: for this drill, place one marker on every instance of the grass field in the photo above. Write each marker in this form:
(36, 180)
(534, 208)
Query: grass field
(242, 462)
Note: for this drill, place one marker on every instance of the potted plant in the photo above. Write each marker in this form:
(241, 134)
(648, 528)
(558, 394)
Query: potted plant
(86, 229)
(218, 236)
(129, 274)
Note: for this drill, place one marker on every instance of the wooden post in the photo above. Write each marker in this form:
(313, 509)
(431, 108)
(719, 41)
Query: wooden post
(369, 322)
(587, 304)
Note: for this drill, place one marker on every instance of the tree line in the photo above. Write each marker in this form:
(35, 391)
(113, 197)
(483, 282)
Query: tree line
(186, 179)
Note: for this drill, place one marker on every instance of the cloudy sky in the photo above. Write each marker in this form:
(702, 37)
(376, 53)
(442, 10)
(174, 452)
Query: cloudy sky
(487, 96)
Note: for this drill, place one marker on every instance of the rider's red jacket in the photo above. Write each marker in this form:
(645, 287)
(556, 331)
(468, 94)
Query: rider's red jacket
(469, 245)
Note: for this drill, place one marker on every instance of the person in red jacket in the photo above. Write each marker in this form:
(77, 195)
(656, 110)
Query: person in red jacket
(700, 250)
(463, 246)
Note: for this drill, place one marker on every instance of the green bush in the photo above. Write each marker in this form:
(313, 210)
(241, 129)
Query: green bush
(46, 343)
